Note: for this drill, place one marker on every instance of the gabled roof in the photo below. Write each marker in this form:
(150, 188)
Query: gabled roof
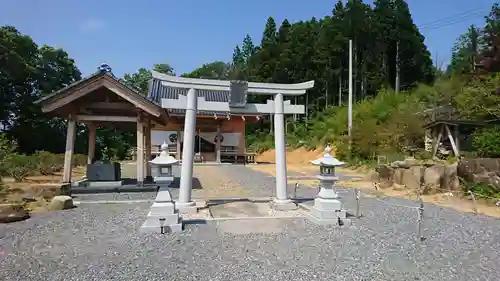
(157, 92)
(97, 80)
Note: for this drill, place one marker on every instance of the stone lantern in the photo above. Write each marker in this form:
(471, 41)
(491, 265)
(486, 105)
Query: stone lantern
(162, 164)
(327, 208)
(163, 217)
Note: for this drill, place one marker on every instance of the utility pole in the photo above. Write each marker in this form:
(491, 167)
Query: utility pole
(349, 109)
(326, 96)
(340, 89)
(307, 111)
(397, 68)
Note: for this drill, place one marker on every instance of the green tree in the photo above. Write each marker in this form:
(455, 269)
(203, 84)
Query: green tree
(213, 70)
(26, 74)
(139, 80)
(465, 51)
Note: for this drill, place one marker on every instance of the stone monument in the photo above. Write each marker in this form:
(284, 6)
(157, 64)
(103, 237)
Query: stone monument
(327, 209)
(163, 218)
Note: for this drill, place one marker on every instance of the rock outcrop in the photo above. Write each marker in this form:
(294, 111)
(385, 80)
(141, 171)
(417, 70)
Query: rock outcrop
(412, 174)
(61, 202)
(481, 170)
(12, 213)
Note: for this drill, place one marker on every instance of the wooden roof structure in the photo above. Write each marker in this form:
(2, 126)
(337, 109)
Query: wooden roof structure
(101, 97)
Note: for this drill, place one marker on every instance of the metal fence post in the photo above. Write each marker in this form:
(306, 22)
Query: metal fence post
(474, 203)
(421, 220)
(357, 193)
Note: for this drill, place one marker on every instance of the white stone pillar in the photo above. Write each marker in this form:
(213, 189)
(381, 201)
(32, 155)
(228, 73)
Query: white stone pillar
(148, 153)
(281, 202)
(68, 155)
(217, 144)
(178, 146)
(140, 153)
(91, 149)
(188, 152)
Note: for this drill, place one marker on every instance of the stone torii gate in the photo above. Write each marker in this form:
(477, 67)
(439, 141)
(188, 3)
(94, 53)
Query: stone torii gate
(238, 91)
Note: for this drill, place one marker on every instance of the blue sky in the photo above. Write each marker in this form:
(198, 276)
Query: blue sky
(187, 33)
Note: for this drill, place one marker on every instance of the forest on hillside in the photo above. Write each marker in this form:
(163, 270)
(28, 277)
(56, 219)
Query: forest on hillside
(393, 77)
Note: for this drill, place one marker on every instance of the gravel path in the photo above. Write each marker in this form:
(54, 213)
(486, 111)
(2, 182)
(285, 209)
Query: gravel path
(223, 181)
(102, 242)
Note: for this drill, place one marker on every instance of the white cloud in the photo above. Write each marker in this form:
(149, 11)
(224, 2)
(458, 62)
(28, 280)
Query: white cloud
(92, 25)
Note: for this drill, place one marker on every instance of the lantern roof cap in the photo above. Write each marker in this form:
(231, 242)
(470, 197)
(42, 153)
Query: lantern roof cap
(164, 158)
(327, 159)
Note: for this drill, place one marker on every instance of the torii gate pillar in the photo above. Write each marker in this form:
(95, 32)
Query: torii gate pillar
(281, 202)
(237, 104)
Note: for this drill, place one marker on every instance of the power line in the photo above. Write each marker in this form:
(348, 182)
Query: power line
(462, 15)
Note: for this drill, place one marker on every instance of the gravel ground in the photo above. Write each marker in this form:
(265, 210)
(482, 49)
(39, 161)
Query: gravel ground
(102, 242)
(257, 184)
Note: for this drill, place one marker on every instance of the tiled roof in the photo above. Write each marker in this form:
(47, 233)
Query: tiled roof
(157, 92)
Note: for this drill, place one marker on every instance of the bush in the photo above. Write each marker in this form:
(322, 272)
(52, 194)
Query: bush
(78, 160)
(383, 125)
(47, 163)
(486, 142)
(7, 148)
(21, 166)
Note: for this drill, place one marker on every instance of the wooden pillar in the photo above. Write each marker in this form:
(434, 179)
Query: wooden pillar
(68, 155)
(178, 146)
(91, 149)
(148, 152)
(243, 140)
(456, 135)
(140, 152)
(217, 143)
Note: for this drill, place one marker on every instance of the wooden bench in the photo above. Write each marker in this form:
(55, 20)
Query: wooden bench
(247, 157)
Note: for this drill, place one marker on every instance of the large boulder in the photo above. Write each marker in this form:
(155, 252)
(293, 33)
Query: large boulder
(451, 180)
(61, 202)
(10, 213)
(480, 170)
(412, 177)
(385, 176)
(433, 179)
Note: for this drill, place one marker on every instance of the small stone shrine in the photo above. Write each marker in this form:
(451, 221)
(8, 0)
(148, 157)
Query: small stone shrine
(327, 209)
(163, 218)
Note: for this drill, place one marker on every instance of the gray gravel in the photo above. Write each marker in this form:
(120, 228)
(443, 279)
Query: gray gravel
(102, 242)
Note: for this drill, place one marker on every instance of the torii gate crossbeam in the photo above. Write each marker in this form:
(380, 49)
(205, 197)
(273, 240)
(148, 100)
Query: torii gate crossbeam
(238, 93)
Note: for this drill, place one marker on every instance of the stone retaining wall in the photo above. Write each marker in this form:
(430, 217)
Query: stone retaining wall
(411, 174)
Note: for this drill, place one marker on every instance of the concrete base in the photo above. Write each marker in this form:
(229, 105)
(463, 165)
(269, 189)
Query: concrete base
(283, 205)
(162, 214)
(328, 214)
(104, 184)
(326, 211)
(345, 222)
(186, 208)
(154, 226)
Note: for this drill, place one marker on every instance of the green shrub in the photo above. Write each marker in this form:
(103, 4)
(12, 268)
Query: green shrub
(79, 160)
(21, 166)
(487, 142)
(47, 163)
(7, 148)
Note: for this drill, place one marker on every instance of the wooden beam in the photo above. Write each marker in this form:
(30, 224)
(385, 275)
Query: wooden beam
(140, 152)
(68, 155)
(109, 105)
(104, 118)
(91, 148)
(453, 145)
(436, 144)
(153, 110)
(75, 95)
